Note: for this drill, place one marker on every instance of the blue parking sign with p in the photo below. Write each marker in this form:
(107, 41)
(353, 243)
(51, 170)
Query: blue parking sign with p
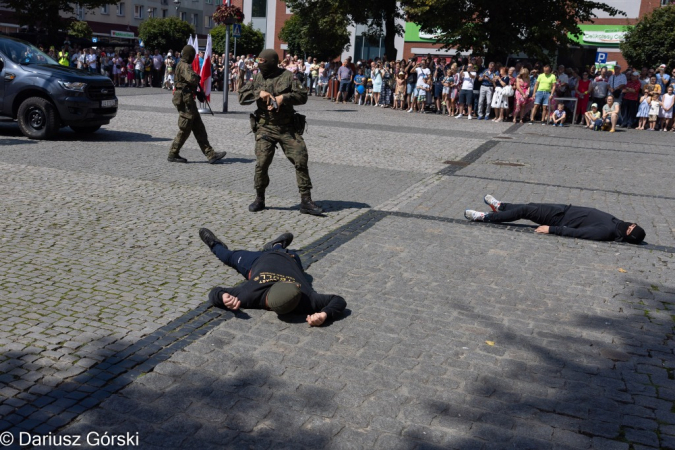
(236, 30)
(600, 58)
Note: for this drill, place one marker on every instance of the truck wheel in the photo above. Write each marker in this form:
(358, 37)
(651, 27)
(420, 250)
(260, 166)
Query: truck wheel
(37, 118)
(85, 130)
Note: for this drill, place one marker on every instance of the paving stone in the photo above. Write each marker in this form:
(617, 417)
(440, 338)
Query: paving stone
(579, 346)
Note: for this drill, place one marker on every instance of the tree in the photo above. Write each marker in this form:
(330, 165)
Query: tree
(497, 28)
(315, 31)
(292, 34)
(252, 41)
(80, 29)
(49, 15)
(335, 15)
(165, 34)
(652, 41)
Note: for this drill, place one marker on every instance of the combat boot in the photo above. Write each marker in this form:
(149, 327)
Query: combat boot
(258, 204)
(307, 206)
(177, 159)
(217, 156)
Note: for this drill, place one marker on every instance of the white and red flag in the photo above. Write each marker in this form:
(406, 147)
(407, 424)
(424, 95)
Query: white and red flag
(205, 82)
(195, 62)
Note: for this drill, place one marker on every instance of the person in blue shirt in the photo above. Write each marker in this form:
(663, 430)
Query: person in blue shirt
(487, 87)
(359, 86)
(662, 78)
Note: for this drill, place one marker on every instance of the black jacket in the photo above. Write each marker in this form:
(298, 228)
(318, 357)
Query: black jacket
(587, 223)
(279, 266)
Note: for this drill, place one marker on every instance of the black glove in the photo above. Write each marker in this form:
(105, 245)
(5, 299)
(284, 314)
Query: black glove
(200, 96)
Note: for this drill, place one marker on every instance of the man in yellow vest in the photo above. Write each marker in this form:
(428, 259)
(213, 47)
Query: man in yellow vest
(64, 57)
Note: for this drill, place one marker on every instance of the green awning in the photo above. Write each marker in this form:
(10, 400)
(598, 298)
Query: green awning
(600, 35)
(413, 34)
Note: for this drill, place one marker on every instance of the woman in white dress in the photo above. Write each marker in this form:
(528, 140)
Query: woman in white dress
(666, 112)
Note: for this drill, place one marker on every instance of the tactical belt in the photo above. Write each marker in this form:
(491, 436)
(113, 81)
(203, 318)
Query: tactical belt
(268, 120)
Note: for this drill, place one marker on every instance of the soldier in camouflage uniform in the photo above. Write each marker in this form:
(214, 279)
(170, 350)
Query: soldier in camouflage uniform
(189, 120)
(277, 124)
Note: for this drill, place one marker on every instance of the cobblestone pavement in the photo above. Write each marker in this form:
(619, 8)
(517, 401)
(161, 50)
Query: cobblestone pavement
(457, 335)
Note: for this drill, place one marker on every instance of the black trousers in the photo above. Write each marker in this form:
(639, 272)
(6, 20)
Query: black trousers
(539, 213)
(629, 109)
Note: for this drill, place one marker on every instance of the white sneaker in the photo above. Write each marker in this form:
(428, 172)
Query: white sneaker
(410, 110)
(458, 116)
(492, 202)
(470, 117)
(476, 216)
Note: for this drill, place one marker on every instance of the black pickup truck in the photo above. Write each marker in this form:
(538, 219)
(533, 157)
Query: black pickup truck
(43, 96)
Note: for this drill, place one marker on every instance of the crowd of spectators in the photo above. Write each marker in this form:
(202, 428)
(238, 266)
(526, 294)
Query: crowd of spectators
(457, 87)
(523, 93)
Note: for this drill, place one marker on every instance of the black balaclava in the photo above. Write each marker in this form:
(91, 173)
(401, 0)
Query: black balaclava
(635, 237)
(269, 67)
(188, 54)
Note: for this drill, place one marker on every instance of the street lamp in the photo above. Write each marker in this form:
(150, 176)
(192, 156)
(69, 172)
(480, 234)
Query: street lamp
(150, 13)
(177, 4)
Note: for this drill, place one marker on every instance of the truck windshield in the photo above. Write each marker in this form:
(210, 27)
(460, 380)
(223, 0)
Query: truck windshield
(24, 53)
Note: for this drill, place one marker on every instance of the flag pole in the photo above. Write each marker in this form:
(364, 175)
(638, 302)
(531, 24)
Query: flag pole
(226, 91)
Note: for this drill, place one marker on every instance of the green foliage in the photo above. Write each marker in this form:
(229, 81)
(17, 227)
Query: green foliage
(292, 34)
(317, 30)
(498, 28)
(251, 42)
(80, 29)
(652, 41)
(49, 15)
(330, 18)
(169, 33)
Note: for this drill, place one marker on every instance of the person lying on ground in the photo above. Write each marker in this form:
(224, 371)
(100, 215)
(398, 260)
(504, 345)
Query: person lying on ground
(276, 281)
(563, 220)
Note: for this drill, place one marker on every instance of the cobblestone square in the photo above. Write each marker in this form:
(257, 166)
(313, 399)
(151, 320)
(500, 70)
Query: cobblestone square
(457, 335)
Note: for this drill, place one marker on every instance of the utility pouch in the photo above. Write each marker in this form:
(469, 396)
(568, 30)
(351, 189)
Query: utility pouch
(254, 122)
(299, 123)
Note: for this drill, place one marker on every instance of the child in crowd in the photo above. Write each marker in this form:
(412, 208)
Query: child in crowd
(130, 72)
(558, 116)
(666, 112)
(593, 116)
(643, 110)
(423, 90)
(399, 95)
(447, 87)
(168, 84)
(359, 88)
(654, 108)
(369, 92)
(123, 73)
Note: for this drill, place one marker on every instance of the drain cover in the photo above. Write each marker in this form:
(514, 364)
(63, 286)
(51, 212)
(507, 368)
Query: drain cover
(456, 163)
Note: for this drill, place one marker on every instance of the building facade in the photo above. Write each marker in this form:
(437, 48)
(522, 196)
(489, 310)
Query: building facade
(120, 23)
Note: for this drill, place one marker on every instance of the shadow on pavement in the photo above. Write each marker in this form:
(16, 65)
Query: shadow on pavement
(103, 135)
(569, 387)
(326, 205)
(16, 141)
(225, 161)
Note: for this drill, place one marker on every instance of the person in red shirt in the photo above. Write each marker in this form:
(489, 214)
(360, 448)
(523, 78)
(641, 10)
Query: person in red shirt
(629, 104)
(583, 93)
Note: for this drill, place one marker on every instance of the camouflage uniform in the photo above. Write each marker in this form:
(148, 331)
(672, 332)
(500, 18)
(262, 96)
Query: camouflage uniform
(278, 127)
(189, 119)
